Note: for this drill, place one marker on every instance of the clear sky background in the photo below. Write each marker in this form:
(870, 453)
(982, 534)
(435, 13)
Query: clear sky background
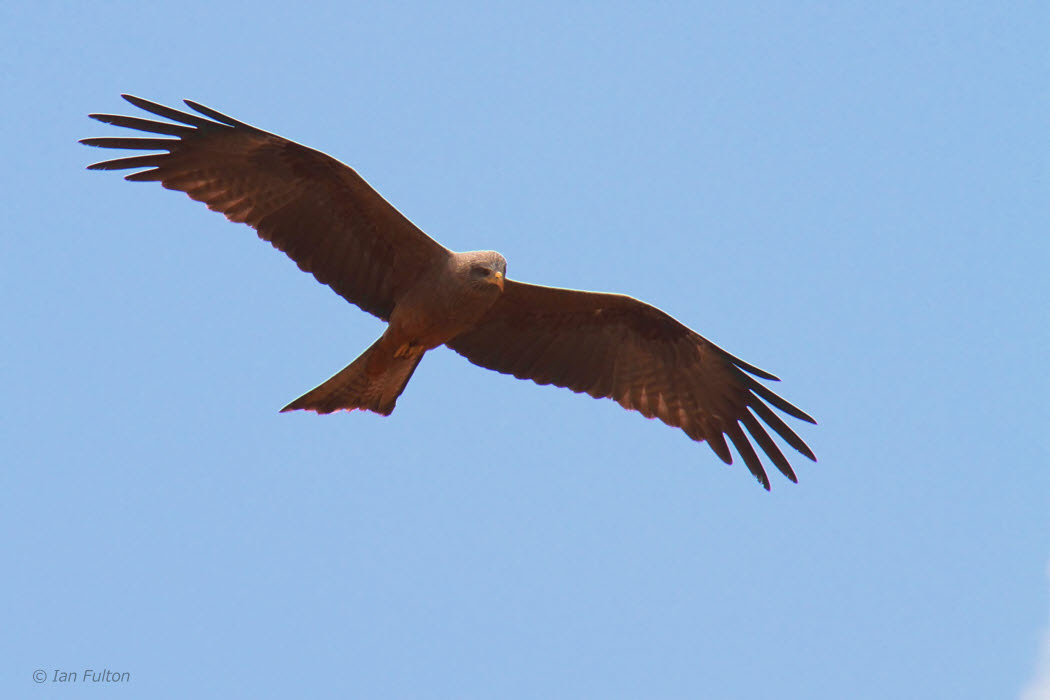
(852, 196)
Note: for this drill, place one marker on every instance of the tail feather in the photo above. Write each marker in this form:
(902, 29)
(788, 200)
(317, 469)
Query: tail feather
(372, 382)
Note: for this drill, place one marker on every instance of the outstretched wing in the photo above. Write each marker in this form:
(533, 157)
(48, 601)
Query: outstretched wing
(614, 346)
(320, 212)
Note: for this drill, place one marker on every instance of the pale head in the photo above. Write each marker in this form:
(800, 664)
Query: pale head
(482, 268)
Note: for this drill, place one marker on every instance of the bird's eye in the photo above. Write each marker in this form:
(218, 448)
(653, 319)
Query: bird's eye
(482, 271)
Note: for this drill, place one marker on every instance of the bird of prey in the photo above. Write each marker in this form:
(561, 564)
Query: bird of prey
(327, 219)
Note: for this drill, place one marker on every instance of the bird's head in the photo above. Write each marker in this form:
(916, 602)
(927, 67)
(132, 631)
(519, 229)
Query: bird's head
(484, 268)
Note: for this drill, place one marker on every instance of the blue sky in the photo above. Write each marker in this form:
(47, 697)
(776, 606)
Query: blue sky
(853, 197)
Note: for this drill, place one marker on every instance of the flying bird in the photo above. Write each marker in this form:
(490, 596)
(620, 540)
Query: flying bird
(327, 219)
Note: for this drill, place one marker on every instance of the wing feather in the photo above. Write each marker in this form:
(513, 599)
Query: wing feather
(745, 450)
(310, 206)
(614, 346)
(768, 446)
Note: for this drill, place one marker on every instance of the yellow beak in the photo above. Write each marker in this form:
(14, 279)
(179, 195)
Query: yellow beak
(497, 279)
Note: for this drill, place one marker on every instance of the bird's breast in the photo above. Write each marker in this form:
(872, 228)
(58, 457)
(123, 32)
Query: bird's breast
(434, 312)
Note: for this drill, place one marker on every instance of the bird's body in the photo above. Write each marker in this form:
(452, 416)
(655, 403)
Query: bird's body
(326, 218)
(447, 299)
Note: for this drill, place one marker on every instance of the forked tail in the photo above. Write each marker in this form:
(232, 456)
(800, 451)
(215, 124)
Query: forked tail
(372, 382)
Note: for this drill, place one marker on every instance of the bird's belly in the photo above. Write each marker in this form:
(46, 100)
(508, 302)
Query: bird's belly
(428, 325)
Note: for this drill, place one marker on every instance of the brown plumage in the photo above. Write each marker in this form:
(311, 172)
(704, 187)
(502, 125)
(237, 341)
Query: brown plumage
(327, 219)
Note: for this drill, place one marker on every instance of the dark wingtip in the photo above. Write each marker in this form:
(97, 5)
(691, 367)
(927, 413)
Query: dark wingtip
(751, 369)
(217, 115)
(805, 416)
(762, 478)
(717, 442)
(137, 101)
(807, 452)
